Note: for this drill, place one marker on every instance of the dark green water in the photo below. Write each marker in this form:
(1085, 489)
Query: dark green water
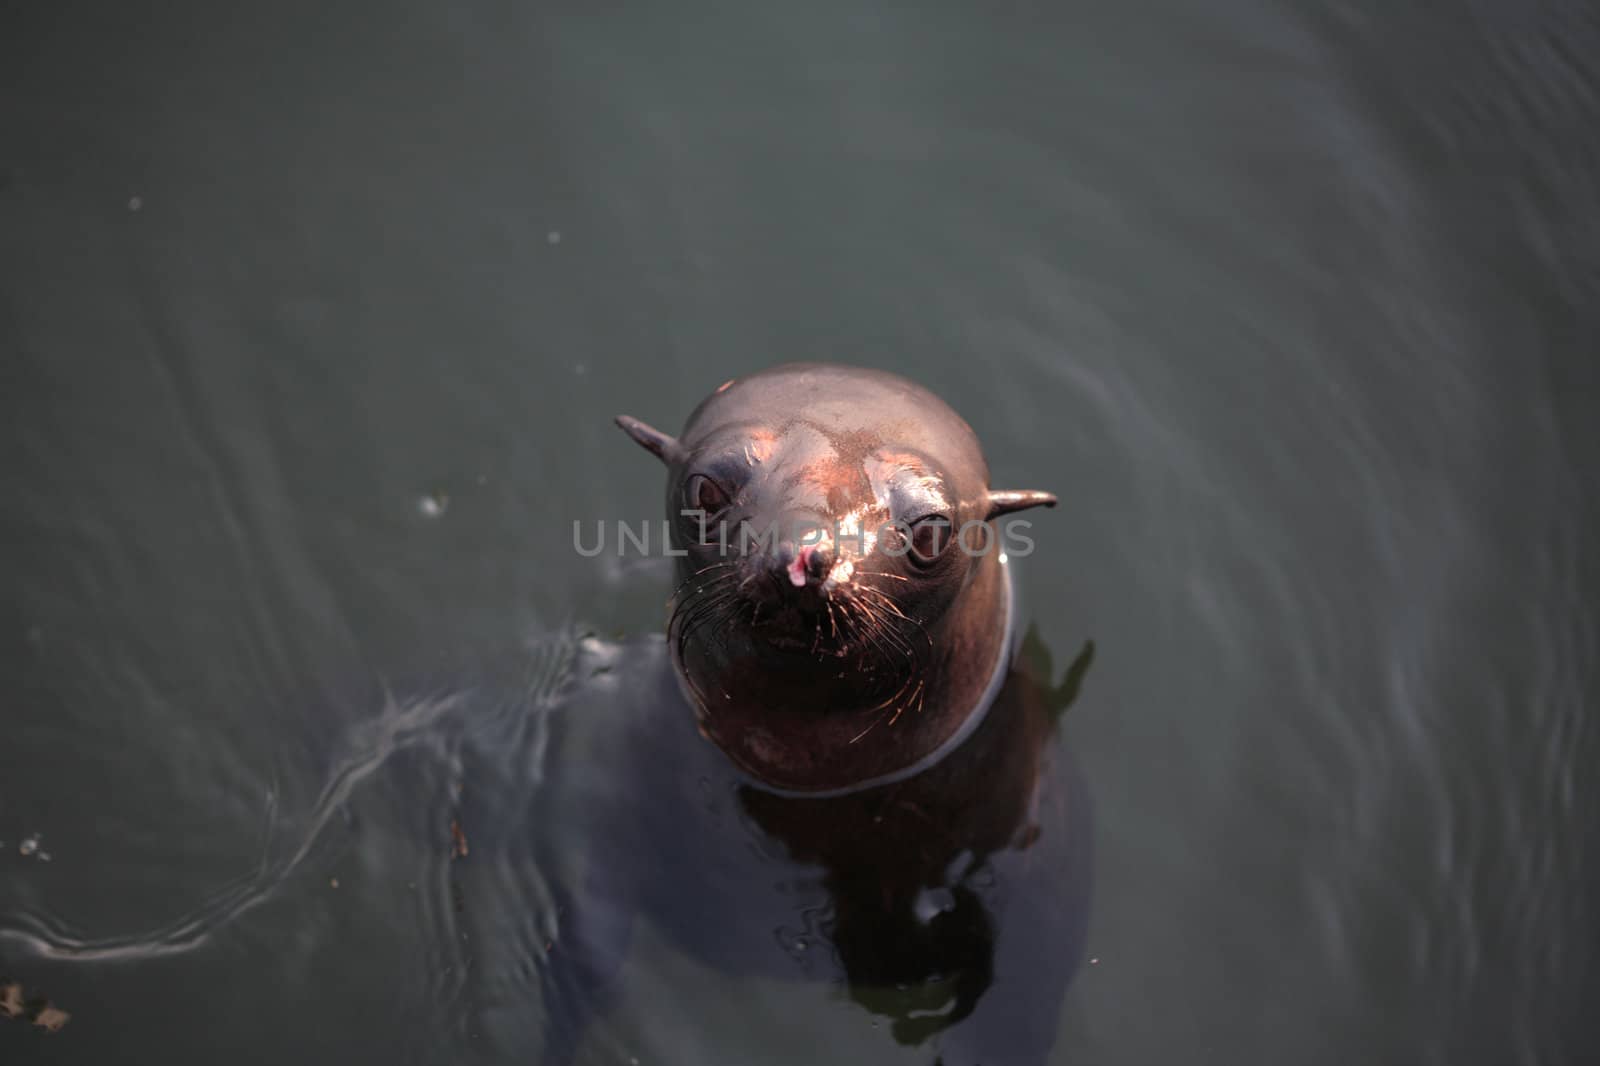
(1295, 306)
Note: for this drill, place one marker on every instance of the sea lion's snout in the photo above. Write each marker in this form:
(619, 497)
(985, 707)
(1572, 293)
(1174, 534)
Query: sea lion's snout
(798, 549)
(791, 595)
(793, 569)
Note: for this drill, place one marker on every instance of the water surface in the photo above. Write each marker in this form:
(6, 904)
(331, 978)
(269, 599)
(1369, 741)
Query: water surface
(313, 320)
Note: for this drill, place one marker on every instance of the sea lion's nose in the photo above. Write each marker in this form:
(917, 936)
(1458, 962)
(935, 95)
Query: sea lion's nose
(810, 563)
(804, 555)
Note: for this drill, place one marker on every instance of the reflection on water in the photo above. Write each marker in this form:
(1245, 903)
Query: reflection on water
(313, 324)
(910, 870)
(912, 897)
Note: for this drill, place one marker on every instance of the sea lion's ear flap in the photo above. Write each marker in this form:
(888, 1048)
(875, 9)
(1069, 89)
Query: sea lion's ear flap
(651, 439)
(1005, 501)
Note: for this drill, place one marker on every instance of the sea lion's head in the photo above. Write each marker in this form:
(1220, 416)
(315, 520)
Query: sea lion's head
(842, 601)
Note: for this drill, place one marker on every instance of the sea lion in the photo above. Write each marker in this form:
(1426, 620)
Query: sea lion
(881, 802)
(843, 604)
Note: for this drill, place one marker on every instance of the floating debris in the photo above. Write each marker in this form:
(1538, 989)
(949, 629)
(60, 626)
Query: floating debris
(433, 505)
(135, 203)
(51, 1018)
(553, 237)
(458, 841)
(39, 1012)
(334, 882)
(29, 844)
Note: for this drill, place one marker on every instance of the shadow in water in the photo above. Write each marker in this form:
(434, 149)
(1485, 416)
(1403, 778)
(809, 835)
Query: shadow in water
(922, 874)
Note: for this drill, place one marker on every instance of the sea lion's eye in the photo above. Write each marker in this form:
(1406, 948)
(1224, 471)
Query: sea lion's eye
(930, 536)
(706, 496)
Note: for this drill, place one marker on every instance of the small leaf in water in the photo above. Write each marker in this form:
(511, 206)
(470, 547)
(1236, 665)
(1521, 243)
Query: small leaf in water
(51, 1018)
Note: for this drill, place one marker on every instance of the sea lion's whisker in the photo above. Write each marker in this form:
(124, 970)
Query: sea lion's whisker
(891, 704)
(870, 727)
(875, 614)
(887, 602)
(879, 596)
(709, 606)
(698, 573)
(885, 641)
(698, 597)
(883, 600)
(688, 620)
(705, 593)
(921, 688)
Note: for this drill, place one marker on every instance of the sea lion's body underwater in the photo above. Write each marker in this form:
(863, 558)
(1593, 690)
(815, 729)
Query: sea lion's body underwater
(843, 769)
